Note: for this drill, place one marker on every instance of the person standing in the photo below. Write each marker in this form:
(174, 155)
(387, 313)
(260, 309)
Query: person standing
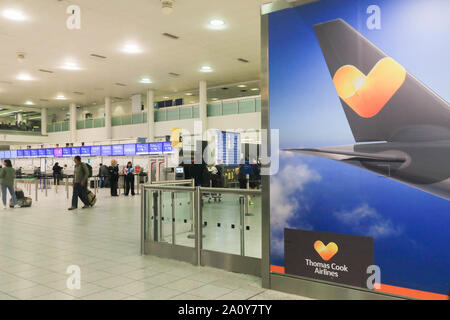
(103, 172)
(80, 179)
(129, 179)
(7, 176)
(114, 177)
(56, 173)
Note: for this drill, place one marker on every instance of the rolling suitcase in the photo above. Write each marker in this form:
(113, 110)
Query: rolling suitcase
(92, 198)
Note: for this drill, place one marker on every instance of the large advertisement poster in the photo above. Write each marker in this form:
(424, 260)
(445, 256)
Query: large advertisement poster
(360, 92)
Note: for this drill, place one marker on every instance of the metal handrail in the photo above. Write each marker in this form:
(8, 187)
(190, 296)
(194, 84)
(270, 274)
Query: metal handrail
(169, 188)
(229, 190)
(174, 182)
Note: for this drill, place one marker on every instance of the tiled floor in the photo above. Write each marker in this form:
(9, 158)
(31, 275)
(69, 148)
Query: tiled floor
(38, 244)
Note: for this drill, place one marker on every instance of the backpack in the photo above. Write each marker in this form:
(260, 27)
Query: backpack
(89, 169)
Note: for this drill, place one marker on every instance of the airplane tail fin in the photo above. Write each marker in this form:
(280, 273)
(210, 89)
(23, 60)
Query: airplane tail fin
(381, 100)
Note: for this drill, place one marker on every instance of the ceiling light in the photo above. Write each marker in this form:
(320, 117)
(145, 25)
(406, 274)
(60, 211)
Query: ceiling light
(29, 103)
(24, 77)
(131, 48)
(242, 86)
(60, 97)
(165, 97)
(189, 94)
(206, 69)
(214, 99)
(255, 89)
(216, 22)
(70, 66)
(15, 15)
(145, 80)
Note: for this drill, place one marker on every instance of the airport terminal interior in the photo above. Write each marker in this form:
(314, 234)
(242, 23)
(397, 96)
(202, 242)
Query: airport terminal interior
(133, 146)
(87, 90)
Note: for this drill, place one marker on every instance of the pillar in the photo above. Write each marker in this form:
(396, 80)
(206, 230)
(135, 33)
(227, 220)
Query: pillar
(150, 116)
(108, 115)
(73, 123)
(202, 104)
(44, 121)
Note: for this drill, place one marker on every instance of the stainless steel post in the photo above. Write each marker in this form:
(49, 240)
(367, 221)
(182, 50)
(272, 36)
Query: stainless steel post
(198, 224)
(242, 213)
(67, 187)
(45, 185)
(143, 221)
(36, 189)
(138, 183)
(95, 184)
(172, 196)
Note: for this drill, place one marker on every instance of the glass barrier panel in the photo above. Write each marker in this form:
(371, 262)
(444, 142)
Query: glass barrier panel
(116, 121)
(89, 123)
(252, 227)
(126, 119)
(195, 112)
(137, 118)
(221, 216)
(160, 115)
(65, 126)
(246, 106)
(149, 215)
(80, 124)
(185, 113)
(57, 126)
(172, 114)
(166, 217)
(99, 123)
(184, 219)
(50, 128)
(214, 110)
(145, 117)
(258, 105)
(230, 108)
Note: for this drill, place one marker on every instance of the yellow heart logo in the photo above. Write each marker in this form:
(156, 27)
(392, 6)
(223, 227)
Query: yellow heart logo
(326, 252)
(367, 95)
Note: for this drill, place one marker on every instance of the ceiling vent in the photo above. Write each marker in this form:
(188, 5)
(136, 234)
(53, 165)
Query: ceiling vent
(46, 71)
(174, 74)
(224, 88)
(5, 82)
(79, 93)
(171, 36)
(120, 84)
(94, 55)
(243, 60)
(45, 100)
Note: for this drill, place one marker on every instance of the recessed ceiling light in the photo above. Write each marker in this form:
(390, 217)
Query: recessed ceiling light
(189, 94)
(131, 48)
(214, 99)
(70, 66)
(206, 69)
(165, 97)
(255, 89)
(60, 97)
(216, 24)
(24, 77)
(29, 103)
(145, 80)
(13, 14)
(242, 86)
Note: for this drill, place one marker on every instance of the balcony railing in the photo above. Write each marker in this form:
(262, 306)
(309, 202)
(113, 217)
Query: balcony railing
(58, 126)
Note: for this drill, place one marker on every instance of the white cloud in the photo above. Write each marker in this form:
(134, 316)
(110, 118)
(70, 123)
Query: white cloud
(286, 200)
(367, 221)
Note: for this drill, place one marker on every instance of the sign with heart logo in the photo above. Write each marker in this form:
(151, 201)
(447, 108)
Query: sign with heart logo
(335, 257)
(326, 252)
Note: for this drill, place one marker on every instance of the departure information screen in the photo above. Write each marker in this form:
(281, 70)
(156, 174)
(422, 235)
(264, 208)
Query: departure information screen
(228, 148)
(106, 151)
(117, 150)
(129, 149)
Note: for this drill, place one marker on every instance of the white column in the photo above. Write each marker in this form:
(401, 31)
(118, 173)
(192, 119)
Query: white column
(73, 123)
(202, 104)
(108, 118)
(44, 121)
(19, 117)
(150, 116)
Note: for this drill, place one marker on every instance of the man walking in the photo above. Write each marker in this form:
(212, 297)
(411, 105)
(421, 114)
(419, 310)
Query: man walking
(80, 179)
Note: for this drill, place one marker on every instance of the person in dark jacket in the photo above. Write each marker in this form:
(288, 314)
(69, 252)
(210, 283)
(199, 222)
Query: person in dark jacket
(80, 180)
(129, 179)
(103, 174)
(7, 176)
(57, 173)
(114, 178)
